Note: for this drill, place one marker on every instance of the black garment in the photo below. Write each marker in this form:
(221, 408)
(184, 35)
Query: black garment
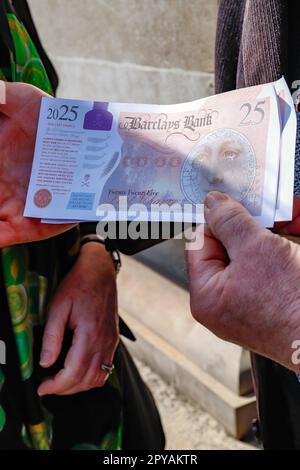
(257, 42)
(279, 409)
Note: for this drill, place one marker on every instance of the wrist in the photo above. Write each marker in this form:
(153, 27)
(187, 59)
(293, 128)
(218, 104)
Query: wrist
(98, 240)
(93, 249)
(96, 255)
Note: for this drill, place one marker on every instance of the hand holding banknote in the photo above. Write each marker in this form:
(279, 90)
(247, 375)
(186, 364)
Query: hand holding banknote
(244, 283)
(19, 111)
(99, 161)
(123, 161)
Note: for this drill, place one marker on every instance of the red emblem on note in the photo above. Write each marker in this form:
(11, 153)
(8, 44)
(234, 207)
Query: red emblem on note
(42, 198)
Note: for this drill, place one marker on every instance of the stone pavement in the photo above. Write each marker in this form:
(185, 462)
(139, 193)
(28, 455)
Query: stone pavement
(186, 425)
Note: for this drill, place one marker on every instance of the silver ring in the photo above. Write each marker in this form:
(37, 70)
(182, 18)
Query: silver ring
(107, 368)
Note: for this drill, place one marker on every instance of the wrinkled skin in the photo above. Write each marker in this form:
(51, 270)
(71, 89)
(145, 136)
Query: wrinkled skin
(245, 282)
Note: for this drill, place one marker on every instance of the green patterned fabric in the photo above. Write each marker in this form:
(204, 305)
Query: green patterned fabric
(27, 67)
(27, 290)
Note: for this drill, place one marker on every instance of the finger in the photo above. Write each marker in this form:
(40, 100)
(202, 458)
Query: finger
(230, 222)
(15, 96)
(75, 367)
(54, 332)
(2, 92)
(290, 227)
(203, 264)
(94, 373)
(293, 227)
(11, 97)
(296, 207)
(94, 377)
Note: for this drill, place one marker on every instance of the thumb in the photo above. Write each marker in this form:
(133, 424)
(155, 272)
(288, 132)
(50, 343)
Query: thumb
(10, 97)
(54, 333)
(14, 96)
(2, 92)
(229, 222)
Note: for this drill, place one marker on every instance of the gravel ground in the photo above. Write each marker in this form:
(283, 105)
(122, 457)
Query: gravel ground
(187, 426)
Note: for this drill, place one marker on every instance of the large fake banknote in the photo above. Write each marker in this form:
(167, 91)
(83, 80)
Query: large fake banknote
(120, 161)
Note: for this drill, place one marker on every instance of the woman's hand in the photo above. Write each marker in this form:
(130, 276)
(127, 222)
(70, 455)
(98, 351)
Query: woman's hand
(86, 302)
(19, 111)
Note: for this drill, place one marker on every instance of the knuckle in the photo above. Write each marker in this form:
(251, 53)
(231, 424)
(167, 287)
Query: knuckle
(114, 340)
(92, 331)
(72, 376)
(269, 247)
(232, 216)
(86, 387)
(101, 382)
(51, 339)
(265, 243)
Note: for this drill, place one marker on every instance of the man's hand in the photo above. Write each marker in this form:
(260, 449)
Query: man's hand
(245, 282)
(86, 302)
(18, 125)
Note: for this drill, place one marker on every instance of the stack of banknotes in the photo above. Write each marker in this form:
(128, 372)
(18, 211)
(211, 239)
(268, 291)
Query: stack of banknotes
(118, 161)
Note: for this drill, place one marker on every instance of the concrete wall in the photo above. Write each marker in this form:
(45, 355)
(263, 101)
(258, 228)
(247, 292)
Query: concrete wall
(130, 50)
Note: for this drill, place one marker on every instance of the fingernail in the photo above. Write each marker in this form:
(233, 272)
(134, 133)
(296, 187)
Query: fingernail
(214, 198)
(45, 357)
